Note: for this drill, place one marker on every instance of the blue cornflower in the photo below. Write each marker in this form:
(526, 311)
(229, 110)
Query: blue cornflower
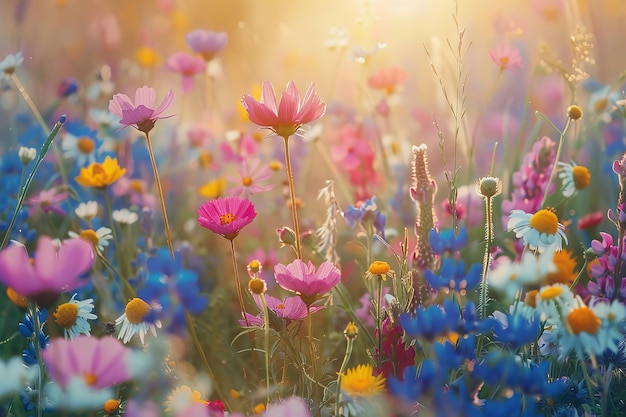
(365, 212)
(617, 358)
(413, 385)
(430, 323)
(172, 287)
(27, 327)
(446, 241)
(452, 275)
(517, 330)
(469, 322)
(67, 87)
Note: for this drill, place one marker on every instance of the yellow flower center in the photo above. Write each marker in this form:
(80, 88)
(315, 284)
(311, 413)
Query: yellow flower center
(90, 378)
(227, 218)
(545, 221)
(582, 177)
(147, 57)
(359, 381)
(86, 145)
(583, 319)
(258, 409)
(257, 286)
(16, 298)
(550, 292)
(136, 310)
(504, 61)
(280, 306)
(275, 166)
(90, 235)
(111, 406)
(136, 186)
(66, 315)
(246, 181)
(600, 105)
(379, 268)
(254, 266)
(205, 159)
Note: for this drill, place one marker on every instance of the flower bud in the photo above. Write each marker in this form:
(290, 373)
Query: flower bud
(286, 236)
(27, 154)
(351, 331)
(257, 286)
(574, 112)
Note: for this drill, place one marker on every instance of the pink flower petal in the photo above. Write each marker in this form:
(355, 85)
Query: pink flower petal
(145, 96)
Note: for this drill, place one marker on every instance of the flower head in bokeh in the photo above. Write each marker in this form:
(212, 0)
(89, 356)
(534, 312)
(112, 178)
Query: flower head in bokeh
(48, 201)
(226, 216)
(388, 79)
(286, 117)
(101, 175)
(506, 58)
(186, 65)
(141, 114)
(252, 177)
(207, 43)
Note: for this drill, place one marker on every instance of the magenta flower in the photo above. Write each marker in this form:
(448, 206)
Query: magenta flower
(290, 308)
(506, 57)
(207, 43)
(285, 118)
(100, 363)
(186, 65)
(48, 201)
(57, 268)
(293, 406)
(141, 115)
(303, 279)
(251, 180)
(226, 216)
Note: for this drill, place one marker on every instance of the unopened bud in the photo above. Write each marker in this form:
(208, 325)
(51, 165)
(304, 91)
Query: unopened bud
(257, 286)
(351, 331)
(27, 154)
(286, 236)
(574, 112)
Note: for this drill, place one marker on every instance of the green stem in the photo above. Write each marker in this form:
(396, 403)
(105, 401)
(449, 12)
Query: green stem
(166, 224)
(608, 376)
(557, 156)
(484, 285)
(266, 337)
(379, 298)
(313, 357)
(342, 369)
(29, 179)
(292, 194)
(118, 250)
(32, 307)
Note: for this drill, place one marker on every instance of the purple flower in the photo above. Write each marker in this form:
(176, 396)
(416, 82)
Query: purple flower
(207, 43)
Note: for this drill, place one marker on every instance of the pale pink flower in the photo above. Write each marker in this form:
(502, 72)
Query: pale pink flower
(352, 149)
(291, 407)
(239, 149)
(141, 114)
(388, 79)
(186, 65)
(207, 43)
(506, 57)
(251, 179)
(290, 308)
(48, 200)
(286, 117)
(305, 280)
(137, 190)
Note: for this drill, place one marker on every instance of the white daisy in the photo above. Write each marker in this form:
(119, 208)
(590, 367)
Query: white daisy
(98, 238)
(581, 331)
(125, 216)
(573, 178)
(87, 211)
(509, 277)
(132, 321)
(10, 63)
(73, 315)
(82, 149)
(540, 231)
(612, 316)
(15, 376)
(553, 301)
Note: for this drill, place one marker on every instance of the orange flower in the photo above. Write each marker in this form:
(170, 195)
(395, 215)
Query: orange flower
(101, 174)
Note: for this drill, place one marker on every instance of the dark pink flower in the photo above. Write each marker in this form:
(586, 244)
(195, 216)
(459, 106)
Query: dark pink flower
(226, 216)
(506, 57)
(141, 114)
(286, 117)
(48, 201)
(186, 65)
(304, 280)
(57, 268)
(207, 43)
(100, 363)
(290, 308)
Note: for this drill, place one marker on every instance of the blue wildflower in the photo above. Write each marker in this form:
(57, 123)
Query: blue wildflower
(452, 275)
(518, 330)
(366, 211)
(445, 241)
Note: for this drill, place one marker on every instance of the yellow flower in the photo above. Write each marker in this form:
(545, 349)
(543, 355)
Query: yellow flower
(379, 268)
(101, 175)
(359, 382)
(147, 57)
(213, 189)
(181, 398)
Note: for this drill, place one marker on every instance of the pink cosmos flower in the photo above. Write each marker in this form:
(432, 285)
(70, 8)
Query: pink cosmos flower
(352, 149)
(506, 57)
(186, 65)
(251, 179)
(137, 190)
(136, 409)
(303, 279)
(48, 201)
(207, 43)
(141, 114)
(57, 268)
(290, 308)
(293, 406)
(388, 79)
(100, 363)
(285, 118)
(226, 216)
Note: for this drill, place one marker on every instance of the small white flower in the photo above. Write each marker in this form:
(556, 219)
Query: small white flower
(87, 211)
(133, 322)
(573, 178)
(553, 301)
(27, 154)
(73, 315)
(81, 149)
(125, 216)
(99, 238)
(510, 277)
(10, 63)
(15, 376)
(539, 231)
(77, 395)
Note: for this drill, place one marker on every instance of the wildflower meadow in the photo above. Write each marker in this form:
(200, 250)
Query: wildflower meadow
(215, 208)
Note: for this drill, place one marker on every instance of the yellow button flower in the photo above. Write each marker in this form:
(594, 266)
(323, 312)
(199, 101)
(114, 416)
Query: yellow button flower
(101, 174)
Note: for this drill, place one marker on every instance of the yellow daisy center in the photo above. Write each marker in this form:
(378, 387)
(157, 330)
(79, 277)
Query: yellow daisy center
(90, 235)
(136, 310)
(545, 221)
(136, 186)
(359, 381)
(565, 266)
(85, 145)
(227, 218)
(66, 315)
(600, 105)
(550, 292)
(379, 268)
(583, 319)
(582, 177)
(254, 265)
(246, 181)
(90, 378)
(257, 286)
(259, 408)
(275, 166)
(111, 406)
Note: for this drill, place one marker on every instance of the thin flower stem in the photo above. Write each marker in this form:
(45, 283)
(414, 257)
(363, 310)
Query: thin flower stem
(292, 193)
(32, 307)
(484, 284)
(313, 358)
(342, 369)
(41, 121)
(608, 376)
(166, 224)
(557, 156)
(266, 341)
(29, 179)
(379, 298)
(118, 252)
(205, 362)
